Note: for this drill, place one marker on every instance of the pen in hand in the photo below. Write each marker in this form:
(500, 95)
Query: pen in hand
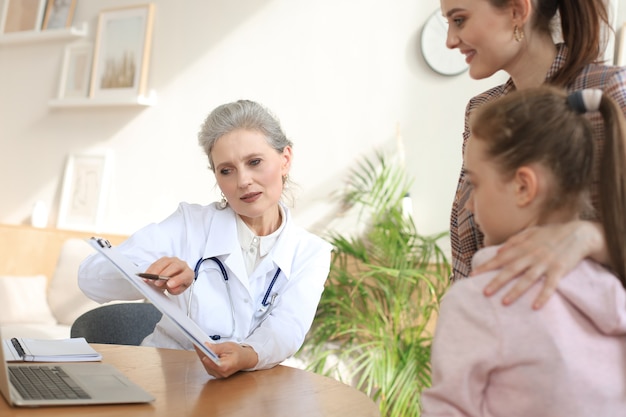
(154, 277)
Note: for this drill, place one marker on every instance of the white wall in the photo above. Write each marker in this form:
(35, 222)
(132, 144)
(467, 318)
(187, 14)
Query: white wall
(340, 74)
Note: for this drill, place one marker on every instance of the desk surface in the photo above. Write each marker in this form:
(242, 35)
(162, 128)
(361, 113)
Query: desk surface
(182, 388)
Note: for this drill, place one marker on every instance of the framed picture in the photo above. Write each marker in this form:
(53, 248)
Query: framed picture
(122, 52)
(620, 58)
(85, 187)
(75, 71)
(59, 14)
(21, 15)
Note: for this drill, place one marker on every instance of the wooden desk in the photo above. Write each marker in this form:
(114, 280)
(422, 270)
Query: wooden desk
(182, 388)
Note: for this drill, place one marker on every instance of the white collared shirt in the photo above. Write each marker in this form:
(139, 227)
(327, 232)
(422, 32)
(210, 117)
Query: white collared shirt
(253, 247)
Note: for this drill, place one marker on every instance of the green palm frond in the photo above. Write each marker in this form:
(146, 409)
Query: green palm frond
(383, 290)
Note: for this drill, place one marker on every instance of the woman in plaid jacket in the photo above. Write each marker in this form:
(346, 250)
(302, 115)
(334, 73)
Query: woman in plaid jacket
(516, 36)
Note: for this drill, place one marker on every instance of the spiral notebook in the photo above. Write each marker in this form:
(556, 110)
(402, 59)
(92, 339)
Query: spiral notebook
(49, 350)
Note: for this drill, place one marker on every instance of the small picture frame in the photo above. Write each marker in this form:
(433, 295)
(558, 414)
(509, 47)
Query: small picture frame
(85, 188)
(122, 53)
(75, 72)
(620, 57)
(59, 14)
(21, 15)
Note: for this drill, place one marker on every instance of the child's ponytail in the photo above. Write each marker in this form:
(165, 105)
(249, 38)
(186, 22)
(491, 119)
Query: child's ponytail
(612, 173)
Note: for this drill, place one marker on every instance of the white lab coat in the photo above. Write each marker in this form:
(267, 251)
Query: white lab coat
(194, 232)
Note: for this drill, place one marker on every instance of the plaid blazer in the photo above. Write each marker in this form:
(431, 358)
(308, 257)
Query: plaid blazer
(465, 237)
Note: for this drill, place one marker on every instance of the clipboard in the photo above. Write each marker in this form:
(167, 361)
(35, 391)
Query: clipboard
(128, 269)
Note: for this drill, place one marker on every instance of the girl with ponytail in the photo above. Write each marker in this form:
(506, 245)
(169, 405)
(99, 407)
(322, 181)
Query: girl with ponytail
(529, 162)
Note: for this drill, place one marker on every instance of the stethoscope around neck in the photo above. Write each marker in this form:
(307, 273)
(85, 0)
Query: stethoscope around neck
(265, 303)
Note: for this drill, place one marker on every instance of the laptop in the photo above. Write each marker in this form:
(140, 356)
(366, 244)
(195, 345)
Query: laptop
(66, 384)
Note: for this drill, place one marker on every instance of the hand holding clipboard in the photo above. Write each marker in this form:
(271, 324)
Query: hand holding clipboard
(129, 270)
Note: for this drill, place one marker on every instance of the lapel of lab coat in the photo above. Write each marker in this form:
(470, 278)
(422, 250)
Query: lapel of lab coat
(222, 241)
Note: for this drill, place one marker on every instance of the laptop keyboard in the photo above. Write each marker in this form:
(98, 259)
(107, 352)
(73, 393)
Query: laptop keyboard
(44, 383)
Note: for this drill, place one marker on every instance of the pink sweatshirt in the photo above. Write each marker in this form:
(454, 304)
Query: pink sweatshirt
(566, 359)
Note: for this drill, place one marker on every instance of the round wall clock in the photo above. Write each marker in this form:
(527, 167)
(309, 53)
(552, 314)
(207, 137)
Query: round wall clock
(439, 58)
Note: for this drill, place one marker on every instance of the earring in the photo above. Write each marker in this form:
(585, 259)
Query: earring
(518, 33)
(223, 203)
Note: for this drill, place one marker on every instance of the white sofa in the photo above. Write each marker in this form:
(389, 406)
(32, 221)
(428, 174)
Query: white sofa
(31, 308)
(39, 294)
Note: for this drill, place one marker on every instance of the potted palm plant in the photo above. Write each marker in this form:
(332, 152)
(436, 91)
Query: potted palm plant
(373, 326)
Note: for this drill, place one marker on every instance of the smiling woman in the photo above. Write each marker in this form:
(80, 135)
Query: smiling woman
(516, 36)
(258, 296)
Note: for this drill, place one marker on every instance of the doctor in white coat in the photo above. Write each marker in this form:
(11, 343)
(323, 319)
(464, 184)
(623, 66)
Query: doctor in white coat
(240, 267)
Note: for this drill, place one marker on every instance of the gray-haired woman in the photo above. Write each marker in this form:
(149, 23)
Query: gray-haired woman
(240, 267)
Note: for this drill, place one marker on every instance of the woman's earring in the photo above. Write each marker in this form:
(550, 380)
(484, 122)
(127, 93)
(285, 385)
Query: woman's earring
(518, 34)
(223, 203)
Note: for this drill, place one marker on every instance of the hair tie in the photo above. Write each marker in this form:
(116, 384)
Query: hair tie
(586, 100)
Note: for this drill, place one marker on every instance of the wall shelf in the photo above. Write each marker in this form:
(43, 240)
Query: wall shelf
(36, 36)
(145, 101)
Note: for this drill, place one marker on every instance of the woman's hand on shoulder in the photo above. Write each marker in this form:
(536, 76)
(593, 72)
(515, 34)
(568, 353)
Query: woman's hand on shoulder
(180, 274)
(549, 251)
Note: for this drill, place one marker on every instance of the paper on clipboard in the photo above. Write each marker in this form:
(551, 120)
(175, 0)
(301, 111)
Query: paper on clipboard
(193, 332)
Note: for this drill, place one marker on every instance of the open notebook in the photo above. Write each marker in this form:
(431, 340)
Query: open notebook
(55, 384)
(129, 270)
(49, 350)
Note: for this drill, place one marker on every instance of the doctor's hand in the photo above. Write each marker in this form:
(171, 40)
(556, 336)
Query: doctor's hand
(549, 252)
(233, 357)
(181, 276)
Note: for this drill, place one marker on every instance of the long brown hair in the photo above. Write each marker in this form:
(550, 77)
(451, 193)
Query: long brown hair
(546, 125)
(582, 22)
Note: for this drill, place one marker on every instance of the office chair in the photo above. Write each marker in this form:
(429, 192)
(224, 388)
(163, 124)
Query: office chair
(118, 324)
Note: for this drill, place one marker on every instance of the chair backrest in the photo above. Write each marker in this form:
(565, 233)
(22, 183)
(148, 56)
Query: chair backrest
(119, 324)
